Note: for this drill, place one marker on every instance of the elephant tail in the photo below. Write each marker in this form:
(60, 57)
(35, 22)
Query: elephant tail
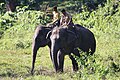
(93, 48)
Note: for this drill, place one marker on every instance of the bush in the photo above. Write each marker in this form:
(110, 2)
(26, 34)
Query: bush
(95, 66)
(20, 26)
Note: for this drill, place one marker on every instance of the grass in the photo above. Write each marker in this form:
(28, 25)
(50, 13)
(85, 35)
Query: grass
(17, 65)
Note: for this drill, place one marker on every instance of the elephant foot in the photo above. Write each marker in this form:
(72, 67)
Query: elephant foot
(75, 68)
(32, 72)
(59, 71)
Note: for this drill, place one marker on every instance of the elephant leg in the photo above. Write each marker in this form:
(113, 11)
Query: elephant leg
(54, 60)
(74, 62)
(60, 61)
(76, 52)
(49, 45)
(35, 48)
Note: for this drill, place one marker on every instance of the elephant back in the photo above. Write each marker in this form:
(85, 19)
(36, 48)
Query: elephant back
(87, 39)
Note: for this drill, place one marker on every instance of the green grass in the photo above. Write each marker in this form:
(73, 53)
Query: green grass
(17, 65)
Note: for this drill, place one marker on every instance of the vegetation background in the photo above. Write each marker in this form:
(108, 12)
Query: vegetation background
(18, 19)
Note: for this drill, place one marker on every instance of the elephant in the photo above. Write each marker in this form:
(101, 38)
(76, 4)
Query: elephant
(40, 40)
(65, 41)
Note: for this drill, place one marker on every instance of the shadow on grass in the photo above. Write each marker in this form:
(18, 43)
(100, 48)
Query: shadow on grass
(41, 71)
(25, 72)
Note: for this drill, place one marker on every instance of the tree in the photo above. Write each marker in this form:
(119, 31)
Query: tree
(10, 5)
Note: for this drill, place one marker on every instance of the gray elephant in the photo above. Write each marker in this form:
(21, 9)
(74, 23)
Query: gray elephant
(64, 42)
(39, 40)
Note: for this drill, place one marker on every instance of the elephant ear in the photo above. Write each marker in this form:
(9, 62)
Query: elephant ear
(48, 35)
(71, 36)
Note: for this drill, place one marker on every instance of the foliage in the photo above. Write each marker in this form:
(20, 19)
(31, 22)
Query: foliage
(93, 65)
(104, 22)
(2, 8)
(14, 25)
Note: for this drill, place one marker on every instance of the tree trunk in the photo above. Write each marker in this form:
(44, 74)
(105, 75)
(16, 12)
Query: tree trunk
(10, 5)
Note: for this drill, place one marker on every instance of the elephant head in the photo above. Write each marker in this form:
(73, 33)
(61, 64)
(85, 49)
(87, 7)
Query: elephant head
(61, 38)
(39, 40)
(39, 37)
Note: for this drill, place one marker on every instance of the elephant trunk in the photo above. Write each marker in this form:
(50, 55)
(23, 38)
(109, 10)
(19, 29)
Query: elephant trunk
(34, 51)
(54, 51)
